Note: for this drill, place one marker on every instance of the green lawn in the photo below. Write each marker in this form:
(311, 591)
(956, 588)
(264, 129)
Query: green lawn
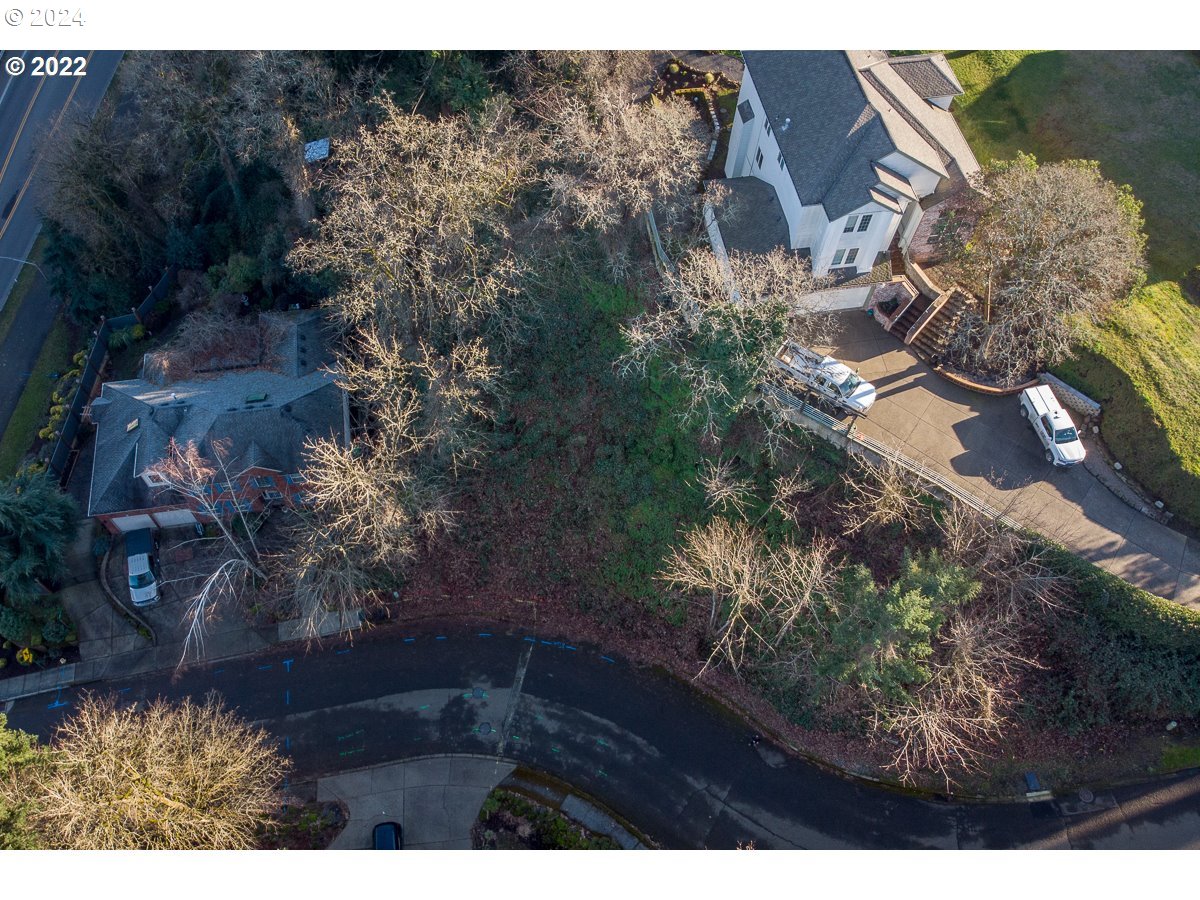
(33, 407)
(1138, 113)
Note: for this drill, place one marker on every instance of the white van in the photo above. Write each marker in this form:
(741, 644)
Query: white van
(139, 558)
(1052, 425)
(826, 377)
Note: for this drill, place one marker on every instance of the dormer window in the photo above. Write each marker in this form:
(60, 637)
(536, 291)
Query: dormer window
(154, 479)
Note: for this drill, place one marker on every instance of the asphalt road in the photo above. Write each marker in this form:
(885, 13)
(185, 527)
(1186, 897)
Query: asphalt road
(30, 110)
(678, 768)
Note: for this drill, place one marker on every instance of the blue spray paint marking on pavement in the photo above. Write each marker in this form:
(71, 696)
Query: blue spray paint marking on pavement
(124, 690)
(218, 671)
(440, 637)
(531, 640)
(343, 737)
(607, 659)
(555, 750)
(548, 643)
(602, 773)
(57, 702)
(568, 647)
(340, 652)
(409, 640)
(484, 634)
(264, 668)
(287, 664)
(352, 752)
(600, 742)
(287, 698)
(287, 743)
(425, 706)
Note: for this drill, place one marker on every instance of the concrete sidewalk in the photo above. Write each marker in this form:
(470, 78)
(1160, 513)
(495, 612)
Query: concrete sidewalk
(436, 800)
(982, 444)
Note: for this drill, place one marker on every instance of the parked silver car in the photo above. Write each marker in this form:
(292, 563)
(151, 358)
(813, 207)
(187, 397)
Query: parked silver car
(140, 560)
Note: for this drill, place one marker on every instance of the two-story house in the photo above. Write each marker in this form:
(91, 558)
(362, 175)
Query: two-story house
(831, 155)
(254, 419)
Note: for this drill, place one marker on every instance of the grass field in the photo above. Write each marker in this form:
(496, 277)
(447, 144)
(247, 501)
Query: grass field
(1138, 113)
(32, 409)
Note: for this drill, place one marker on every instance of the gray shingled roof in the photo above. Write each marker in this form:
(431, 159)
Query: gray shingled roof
(929, 75)
(750, 216)
(936, 126)
(840, 124)
(270, 433)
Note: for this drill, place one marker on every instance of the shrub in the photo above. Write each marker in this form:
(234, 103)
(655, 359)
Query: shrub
(1127, 609)
(673, 68)
(709, 78)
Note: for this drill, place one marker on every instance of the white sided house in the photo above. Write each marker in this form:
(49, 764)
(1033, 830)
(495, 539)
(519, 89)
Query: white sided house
(831, 155)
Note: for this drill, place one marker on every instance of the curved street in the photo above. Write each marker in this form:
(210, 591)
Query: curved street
(672, 764)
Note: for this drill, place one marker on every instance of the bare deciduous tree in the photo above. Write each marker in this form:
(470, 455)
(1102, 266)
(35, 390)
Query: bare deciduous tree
(722, 488)
(758, 594)
(174, 777)
(614, 152)
(879, 495)
(185, 470)
(1055, 245)
(244, 105)
(212, 339)
(720, 323)
(418, 230)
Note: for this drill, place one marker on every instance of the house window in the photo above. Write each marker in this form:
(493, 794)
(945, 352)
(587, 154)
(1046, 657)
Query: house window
(850, 255)
(779, 159)
(850, 220)
(223, 487)
(767, 126)
(758, 158)
(865, 222)
(264, 481)
(295, 478)
(837, 257)
(244, 506)
(303, 497)
(272, 495)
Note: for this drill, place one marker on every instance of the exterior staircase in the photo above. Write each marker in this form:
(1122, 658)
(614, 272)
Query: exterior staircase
(900, 327)
(930, 343)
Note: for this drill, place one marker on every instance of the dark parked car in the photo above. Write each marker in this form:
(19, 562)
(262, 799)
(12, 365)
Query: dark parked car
(388, 836)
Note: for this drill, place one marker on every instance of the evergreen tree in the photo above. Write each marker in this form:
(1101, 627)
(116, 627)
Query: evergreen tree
(36, 523)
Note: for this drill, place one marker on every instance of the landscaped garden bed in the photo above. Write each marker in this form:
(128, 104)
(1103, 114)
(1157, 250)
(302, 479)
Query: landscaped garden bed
(510, 821)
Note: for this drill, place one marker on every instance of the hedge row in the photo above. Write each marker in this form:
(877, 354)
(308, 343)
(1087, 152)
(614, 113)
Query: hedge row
(1127, 608)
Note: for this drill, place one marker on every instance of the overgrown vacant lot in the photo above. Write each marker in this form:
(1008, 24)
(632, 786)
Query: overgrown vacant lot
(1138, 113)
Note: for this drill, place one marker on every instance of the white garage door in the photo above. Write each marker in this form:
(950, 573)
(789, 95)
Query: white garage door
(172, 517)
(133, 523)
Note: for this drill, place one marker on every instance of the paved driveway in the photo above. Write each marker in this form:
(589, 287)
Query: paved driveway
(982, 443)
